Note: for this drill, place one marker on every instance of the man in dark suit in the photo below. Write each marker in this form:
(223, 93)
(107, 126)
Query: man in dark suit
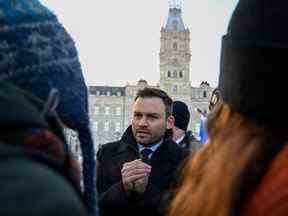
(134, 172)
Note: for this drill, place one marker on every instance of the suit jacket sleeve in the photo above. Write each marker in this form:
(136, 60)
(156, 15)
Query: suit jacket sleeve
(114, 195)
(109, 195)
(156, 199)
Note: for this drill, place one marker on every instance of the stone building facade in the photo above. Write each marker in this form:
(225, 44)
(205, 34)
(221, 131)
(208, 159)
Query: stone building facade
(110, 107)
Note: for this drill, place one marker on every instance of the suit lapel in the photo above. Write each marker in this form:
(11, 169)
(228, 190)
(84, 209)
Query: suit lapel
(127, 149)
(162, 161)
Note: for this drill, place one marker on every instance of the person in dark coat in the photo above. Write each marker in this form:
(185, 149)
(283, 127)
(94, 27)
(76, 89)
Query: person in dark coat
(180, 134)
(128, 185)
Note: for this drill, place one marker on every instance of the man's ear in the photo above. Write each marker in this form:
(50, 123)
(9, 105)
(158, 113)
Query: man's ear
(170, 122)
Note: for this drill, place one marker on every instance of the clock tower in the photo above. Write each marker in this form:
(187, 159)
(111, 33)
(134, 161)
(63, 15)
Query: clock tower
(175, 53)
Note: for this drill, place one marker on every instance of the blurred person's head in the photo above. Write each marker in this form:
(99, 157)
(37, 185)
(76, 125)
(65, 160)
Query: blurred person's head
(152, 110)
(38, 55)
(246, 129)
(181, 114)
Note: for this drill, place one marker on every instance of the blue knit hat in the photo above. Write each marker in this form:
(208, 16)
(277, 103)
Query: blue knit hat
(37, 54)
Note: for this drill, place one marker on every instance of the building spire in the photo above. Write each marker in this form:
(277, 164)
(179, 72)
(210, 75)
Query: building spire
(174, 20)
(176, 4)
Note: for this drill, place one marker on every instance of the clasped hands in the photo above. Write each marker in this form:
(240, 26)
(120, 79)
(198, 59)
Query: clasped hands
(135, 176)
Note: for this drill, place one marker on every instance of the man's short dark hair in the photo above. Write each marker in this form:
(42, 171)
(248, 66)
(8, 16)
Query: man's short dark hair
(158, 93)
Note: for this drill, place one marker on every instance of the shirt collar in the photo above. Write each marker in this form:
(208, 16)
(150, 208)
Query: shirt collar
(180, 139)
(153, 147)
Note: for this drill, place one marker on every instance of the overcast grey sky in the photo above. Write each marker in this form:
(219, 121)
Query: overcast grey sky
(119, 41)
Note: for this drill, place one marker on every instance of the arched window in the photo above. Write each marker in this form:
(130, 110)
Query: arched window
(205, 94)
(169, 74)
(175, 46)
(181, 74)
(175, 74)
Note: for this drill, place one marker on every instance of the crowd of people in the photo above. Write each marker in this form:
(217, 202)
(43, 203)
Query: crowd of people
(158, 167)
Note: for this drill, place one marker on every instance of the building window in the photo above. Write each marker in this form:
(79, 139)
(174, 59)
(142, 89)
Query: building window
(175, 74)
(118, 111)
(169, 73)
(181, 74)
(175, 46)
(108, 93)
(97, 93)
(94, 126)
(117, 127)
(119, 93)
(107, 110)
(96, 110)
(106, 126)
(204, 94)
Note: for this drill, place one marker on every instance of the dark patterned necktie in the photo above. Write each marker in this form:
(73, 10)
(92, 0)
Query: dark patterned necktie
(145, 153)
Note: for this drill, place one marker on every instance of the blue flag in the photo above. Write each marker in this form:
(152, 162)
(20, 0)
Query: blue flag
(202, 131)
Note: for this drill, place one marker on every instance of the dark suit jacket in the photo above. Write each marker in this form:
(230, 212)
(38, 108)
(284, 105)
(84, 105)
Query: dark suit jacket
(113, 199)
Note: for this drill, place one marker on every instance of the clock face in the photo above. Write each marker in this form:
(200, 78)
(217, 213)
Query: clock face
(175, 61)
